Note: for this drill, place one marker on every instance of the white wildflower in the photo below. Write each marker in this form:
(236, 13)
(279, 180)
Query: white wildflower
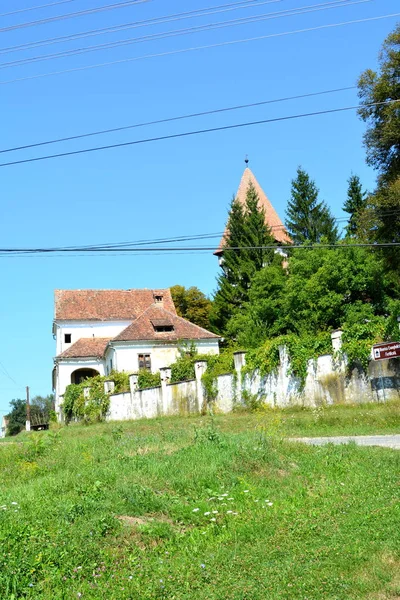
(14, 503)
(229, 512)
(245, 491)
(215, 512)
(213, 520)
(195, 510)
(270, 503)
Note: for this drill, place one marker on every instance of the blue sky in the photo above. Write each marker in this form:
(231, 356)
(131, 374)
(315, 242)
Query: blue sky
(168, 188)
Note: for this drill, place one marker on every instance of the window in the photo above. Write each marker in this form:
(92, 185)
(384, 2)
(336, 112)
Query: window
(67, 338)
(144, 361)
(162, 325)
(158, 298)
(163, 328)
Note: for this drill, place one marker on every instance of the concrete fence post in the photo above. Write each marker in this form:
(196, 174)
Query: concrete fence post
(239, 359)
(165, 374)
(336, 337)
(200, 367)
(109, 387)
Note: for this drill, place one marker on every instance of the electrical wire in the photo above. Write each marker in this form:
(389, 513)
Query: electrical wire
(30, 8)
(144, 23)
(81, 13)
(191, 133)
(188, 31)
(196, 48)
(177, 118)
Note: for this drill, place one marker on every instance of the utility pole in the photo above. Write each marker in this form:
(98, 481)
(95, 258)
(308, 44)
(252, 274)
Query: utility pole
(28, 411)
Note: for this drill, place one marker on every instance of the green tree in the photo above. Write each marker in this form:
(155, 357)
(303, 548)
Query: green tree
(324, 283)
(17, 417)
(262, 314)
(355, 204)
(41, 408)
(244, 255)
(308, 219)
(382, 138)
(192, 304)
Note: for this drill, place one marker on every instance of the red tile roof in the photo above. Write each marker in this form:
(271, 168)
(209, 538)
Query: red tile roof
(271, 216)
(86, 348)
(106, 305)
(142, 328)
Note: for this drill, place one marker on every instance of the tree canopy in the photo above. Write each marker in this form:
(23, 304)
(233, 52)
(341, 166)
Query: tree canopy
(376, 89)
(307, 218)
(244, 254)
(192, 304)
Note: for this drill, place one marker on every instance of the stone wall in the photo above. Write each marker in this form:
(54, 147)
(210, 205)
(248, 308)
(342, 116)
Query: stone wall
(327, 382)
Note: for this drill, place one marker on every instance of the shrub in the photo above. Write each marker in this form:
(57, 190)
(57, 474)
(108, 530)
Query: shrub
(147, 379)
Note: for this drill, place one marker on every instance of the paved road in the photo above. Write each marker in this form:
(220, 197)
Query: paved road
(388, 441)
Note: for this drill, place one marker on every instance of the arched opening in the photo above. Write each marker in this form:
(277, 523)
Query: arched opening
(81, 374)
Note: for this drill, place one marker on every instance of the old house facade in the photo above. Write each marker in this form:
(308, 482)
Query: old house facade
(98, 331)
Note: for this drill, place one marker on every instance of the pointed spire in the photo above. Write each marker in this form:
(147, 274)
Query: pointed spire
(271, 216)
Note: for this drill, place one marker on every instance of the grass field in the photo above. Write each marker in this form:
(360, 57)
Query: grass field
(206, 508)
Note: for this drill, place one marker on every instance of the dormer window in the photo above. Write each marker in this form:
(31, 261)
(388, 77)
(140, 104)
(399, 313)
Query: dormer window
(162, 325)
(158, 298)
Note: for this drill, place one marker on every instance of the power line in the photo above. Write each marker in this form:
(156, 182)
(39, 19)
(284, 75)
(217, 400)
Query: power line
(177, 118)
(144, 23)
(192, 133)
(194, 249)
(81, 13)
(195, 48)
(30, 8)
(190, 30)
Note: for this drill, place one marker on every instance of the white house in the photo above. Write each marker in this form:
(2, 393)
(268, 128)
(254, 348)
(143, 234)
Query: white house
(97, 331)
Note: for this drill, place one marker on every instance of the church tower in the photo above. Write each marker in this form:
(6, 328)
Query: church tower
(271, 216)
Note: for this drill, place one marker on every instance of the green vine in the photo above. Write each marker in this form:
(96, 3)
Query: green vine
(96, 405)
(358, 339)
(147, 379)
(300, 350)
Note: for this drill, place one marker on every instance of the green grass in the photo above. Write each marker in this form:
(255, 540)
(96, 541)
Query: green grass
(110, 511)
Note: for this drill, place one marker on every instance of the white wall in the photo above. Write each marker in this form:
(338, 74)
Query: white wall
(86, 329)
(66, 368)
(125, 355)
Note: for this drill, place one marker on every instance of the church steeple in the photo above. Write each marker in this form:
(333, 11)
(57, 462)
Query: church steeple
(271, 216)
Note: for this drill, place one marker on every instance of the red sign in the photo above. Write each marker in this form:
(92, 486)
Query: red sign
(386, 351)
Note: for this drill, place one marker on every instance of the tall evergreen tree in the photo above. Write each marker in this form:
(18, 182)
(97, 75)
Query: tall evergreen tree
(244, 255)
(355, 204)
(308, 219)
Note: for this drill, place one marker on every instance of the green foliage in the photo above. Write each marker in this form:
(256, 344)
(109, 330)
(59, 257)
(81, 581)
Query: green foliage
(243, 257)
(308, 219)
(159, 514)
(358, 339)
(355, 204)
(383, 120)
(147, 379)
(17, 417)
(300, 350)
(41, 410)
(192, 304)
(94, 408)
(183, 369)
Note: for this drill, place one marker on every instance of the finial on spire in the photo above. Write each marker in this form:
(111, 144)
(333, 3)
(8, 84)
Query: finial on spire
(246, 160)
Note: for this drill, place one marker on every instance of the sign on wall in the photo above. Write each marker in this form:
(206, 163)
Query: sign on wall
(386, 350)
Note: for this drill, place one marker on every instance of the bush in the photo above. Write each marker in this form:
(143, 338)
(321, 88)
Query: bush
(147, 379)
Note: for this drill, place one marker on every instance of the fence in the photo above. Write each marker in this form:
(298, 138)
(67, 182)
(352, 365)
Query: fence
(327, 382)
